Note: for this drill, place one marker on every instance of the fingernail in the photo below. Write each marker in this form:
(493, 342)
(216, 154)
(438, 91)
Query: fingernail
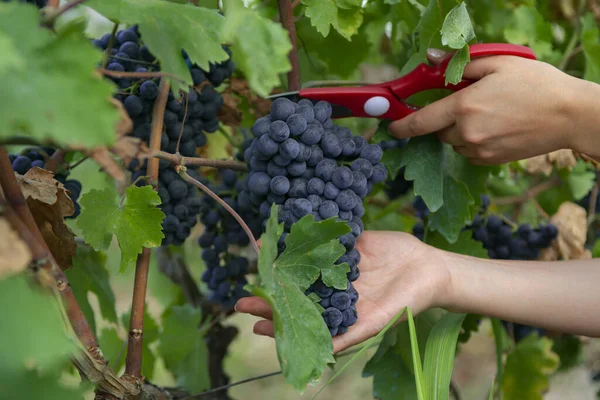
(235, 307)
(436, 53)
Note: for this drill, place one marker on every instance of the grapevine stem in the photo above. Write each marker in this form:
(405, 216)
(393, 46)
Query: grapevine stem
(199, 161)
(219, 200)
(182, 123)
(49, 21)
(40, 251)
(531, 193)
(286, 14)
(117, 74)
(133, 363)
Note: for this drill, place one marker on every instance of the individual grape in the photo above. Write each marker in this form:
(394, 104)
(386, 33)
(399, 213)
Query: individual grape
(363, 166)
(330, 191)
(281, 109)
(333, 317)
(133, 105)
(289, 148)
(297, 124)
(259, 182)
(131, 49)
(331, 146)
(343, 178)
(279, 185)
(328, 209)
(279, 131)
(315, 186)
(372, 153)
(148, 90)
(21, 165)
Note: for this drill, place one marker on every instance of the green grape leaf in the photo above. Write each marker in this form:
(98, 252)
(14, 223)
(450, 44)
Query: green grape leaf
(197, 30)
(43, 74)
(260, 46)
(183, 348)
(32, 385)
(465, 244)
(590, 42)
(528, 27)
(151, 335)
(570, 351)
(89, 274)
(528, 368)
(456, 66)
(134, 220)
(457, 30)
(29, 312)
(113, 347)
(580, 180)
(345, 18)
(331, 49)
(448, 183)
(303, 341)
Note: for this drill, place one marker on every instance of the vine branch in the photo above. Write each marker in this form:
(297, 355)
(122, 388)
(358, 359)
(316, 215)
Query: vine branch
(286, 13)
(529, 194)
(133, 363)
(226, 206)
(118, 74)
(177, 159)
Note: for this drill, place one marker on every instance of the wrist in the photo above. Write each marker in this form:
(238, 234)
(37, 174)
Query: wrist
(583, 110)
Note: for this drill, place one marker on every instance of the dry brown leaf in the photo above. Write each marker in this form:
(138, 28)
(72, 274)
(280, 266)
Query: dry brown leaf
(571, 221)
(50, 204)
(129, 148)
(544, 163)
(238, 88)
(14, 253)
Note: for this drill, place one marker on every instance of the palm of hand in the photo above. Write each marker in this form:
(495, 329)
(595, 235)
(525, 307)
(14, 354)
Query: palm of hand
(394, 272)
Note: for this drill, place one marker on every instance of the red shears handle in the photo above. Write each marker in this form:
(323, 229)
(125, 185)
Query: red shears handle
(387, 100)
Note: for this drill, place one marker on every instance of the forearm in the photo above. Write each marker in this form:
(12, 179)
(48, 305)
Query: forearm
(584, 113)
(559, 296)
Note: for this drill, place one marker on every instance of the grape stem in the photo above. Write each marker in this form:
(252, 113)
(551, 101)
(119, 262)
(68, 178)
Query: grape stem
(177, 159)
(133, 363)
(117, 74)
(54, 14)
(182, 124)
(286, 14)
(201, 186)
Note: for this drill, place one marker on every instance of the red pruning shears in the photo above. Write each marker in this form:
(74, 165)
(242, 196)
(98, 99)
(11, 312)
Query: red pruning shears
(388, 100)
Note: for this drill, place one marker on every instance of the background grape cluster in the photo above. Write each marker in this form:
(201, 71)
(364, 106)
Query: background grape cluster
(225, 273)
(306, 164)
(37, 157)
(187, 120)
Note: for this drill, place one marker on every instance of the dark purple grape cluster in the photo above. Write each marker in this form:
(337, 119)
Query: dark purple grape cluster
(187, 120)
(225, 273)
(218, 72)
(37, 157)
(502, 242)
(306, 164)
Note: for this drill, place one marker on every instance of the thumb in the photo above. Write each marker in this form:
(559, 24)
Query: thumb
(436, 56)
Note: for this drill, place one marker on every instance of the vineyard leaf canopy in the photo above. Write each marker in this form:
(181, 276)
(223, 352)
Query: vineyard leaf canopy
(457, 31)
(304, 345)
(134, 220)
(167, 28)
(590, 42)
(346, 16)
(447, 182)
(89, 274)
(42, 75)
(260, 46)
(183, 348)
(528, 368)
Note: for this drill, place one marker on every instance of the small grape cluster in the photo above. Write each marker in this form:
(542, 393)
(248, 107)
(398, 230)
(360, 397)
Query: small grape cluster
(31, 158)
(186, 122)
(217, 73)
(225, 273)
(306, 164)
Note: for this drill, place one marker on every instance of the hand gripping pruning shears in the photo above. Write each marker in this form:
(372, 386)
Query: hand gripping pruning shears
(388, 100)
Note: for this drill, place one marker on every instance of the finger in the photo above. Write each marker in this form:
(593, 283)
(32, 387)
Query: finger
(431, 118)
(255, 306)
(464, 151)
(482, 66)
(436, 56)
(451, 135)
(264, 328)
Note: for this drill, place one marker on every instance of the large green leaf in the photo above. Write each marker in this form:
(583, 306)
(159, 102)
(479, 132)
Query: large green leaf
(448, 183)
(528, 27)
(439, 355)
(590, 42)
(89, 274)
(528, 369)
(183, 348)
(134, 220)
(345, 16)
(43, 77)
(260, 46)
(167, 28)
(303, 341)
